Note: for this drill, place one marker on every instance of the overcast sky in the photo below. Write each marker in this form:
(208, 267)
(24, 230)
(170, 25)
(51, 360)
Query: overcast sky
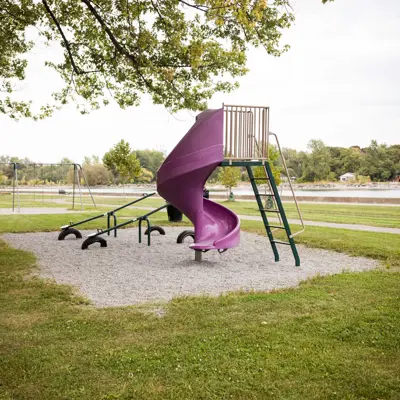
(339, 82)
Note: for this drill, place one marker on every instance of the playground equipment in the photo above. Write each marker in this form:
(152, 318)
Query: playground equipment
(96, 236)
(70, 228)
(54, 173)
(174, 215)
(231, 136)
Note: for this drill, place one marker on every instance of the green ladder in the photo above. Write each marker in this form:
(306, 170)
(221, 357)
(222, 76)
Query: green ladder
(277, 210)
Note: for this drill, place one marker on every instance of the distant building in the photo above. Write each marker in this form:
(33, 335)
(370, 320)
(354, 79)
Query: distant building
(348, 176)
(358, 149)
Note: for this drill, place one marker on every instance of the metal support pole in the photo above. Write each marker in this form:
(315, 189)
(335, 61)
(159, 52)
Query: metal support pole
(198, 255)
(73, 188)
(149, 232)
(13, 185)
(16, 179)
(51, 182)
(140, 230)
(115, 224)
(87, 185)
(79, 187)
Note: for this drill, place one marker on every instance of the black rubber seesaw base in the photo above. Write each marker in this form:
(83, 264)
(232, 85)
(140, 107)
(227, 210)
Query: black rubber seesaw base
(93, 239)
(96, 238)
(69, 231)
(155, 228)
(183, 235)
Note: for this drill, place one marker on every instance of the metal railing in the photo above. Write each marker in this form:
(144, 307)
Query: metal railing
(290, 184)
(246, 132)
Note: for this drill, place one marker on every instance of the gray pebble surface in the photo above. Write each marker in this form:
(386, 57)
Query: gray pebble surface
(127, 272)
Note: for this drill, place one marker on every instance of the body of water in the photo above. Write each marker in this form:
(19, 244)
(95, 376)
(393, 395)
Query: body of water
(356, 192)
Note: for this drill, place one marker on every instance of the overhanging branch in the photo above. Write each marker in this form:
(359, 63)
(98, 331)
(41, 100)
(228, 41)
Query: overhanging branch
(122, 50)
(66, 43)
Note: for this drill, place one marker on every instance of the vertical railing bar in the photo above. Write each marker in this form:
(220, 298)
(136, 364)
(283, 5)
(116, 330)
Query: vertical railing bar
(263, 132)
(268, 131)
(253, 124)
(242, 136)
(230, 133)
(259, 130)
(251, 133)
(242, 131)
(245, 132)
(239, 130)
(249, 119)
(251, 129)
(226, 131)
(236, 131)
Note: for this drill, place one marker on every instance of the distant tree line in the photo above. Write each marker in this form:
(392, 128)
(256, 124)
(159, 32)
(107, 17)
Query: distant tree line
(121, 165)
(377, 162)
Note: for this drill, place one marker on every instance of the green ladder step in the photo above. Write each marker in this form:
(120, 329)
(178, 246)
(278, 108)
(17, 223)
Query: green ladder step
(280, 242)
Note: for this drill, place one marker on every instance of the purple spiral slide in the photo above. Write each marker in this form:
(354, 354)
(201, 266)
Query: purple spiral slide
(182, 176)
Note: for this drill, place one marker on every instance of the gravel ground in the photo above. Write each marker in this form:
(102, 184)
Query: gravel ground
(127, 272)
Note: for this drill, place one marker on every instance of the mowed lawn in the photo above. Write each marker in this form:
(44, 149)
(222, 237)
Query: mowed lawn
(384, 216)
(44, 201)
(372, 215)
(333, 338)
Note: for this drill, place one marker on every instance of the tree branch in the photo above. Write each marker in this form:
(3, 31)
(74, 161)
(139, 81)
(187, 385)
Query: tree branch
(206, 9)
(196, 6)
(121, 49)
(67, 45)
(159, 13)
(110, 35)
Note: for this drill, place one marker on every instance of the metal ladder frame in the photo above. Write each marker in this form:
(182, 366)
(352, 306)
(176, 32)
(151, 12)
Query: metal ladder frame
(279, 210)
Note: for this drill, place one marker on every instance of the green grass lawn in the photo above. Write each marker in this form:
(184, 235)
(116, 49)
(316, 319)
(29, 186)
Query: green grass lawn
(380, 246)
(48, 201)
(384, 216)
(338, 213)
(333, 338)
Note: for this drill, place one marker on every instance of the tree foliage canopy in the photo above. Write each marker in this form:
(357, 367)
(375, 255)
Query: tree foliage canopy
(229, 177)
(276, 168)
(178, 52)
(151, 160)
(379, 162)
(122, 162)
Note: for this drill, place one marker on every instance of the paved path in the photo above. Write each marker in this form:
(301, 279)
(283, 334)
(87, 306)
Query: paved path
(37, 210)
(353, 227)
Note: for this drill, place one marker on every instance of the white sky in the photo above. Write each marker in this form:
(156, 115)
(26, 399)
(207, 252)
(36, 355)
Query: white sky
(339, 82)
